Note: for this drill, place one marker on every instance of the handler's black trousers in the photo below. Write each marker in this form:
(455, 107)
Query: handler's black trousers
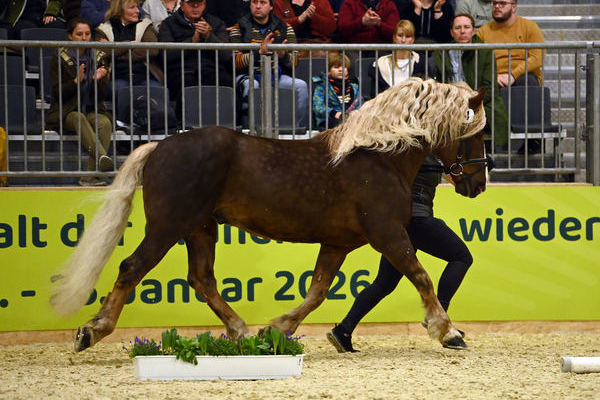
(432, 236)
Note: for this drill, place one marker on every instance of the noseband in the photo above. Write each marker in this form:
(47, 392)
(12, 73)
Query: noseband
(458, 167)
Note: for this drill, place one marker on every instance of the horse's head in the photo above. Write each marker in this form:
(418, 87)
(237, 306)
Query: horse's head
(465, 160)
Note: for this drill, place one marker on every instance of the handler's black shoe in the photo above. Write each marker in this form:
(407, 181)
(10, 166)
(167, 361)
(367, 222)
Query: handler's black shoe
(341, 340)
(425, 325)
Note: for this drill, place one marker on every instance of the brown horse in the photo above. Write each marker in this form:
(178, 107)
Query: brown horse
(343, 189)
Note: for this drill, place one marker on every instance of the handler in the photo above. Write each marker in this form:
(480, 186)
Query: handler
(426, 233)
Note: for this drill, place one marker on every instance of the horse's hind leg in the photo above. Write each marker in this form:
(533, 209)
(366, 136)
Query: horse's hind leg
(328, 264)
(201, 257)
(131, 271)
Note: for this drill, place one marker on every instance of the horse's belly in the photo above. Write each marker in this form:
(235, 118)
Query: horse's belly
(294, 226)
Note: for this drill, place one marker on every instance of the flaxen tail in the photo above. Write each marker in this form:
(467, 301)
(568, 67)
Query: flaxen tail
(81, 271)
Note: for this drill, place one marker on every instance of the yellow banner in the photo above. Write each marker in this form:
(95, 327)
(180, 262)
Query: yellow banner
(536, 256)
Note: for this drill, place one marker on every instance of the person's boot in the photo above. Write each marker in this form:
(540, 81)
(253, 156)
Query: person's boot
(105, 163)
(341, 340)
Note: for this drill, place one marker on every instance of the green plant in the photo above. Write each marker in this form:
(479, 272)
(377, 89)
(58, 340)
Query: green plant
(272, 341)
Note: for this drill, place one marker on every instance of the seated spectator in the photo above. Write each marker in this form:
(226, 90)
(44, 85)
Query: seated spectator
(393, 69)
(480, 10)
(192, 24)
(123, 24)
(432, 19)
(24, 14)
(336, 94)
(264, 27)
(94, 11)
(508, 27)
(158, 10)
(74, 103)
(367, 21)
(230, 11)
(313, 21)
(463, 66)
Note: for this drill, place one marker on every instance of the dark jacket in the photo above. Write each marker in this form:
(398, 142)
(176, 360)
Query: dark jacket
(93, 11)
(230, 11)
(485, 61)
(423, 190)
(176, 28)
(427, 28)
(69, 70)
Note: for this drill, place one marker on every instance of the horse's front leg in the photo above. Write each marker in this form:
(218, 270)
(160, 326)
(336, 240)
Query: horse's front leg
(201, 257)
(396, 247)
(328, 264)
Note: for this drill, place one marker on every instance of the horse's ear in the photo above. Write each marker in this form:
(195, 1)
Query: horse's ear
(476, 100)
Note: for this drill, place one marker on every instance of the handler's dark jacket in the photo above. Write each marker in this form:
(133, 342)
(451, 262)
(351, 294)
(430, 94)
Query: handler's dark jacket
(69, 70)
(177, 28)
(485, 79)
(423, 190)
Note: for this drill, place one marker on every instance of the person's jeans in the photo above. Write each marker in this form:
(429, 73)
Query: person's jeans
(285, 82)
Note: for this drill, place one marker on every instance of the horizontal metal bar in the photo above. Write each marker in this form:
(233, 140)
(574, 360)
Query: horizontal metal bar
(532, 171)
(289, 46)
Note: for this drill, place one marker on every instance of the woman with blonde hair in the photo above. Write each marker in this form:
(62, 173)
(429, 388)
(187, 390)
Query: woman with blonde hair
(123, 24)
(395, 68)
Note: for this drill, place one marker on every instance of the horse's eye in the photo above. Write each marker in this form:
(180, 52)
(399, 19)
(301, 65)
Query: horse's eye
(470, 115)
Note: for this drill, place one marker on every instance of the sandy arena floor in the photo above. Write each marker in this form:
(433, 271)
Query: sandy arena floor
(403, 365)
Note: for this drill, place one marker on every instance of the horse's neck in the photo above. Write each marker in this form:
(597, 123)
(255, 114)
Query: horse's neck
(408, 163)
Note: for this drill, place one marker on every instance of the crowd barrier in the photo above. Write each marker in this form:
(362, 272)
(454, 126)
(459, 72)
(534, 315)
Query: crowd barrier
(562, 116)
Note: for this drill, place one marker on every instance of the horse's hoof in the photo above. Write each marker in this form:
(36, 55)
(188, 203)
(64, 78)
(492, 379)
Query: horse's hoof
(456, 343)
(83, 339)
(263, 331)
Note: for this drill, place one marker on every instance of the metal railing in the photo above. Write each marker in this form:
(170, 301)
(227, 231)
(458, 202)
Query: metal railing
(35, 151)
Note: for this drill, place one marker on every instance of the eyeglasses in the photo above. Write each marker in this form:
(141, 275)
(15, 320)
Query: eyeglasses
(501, 3)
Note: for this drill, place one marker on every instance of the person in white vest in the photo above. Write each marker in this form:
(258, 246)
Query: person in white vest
(123, 24)
(158, 10)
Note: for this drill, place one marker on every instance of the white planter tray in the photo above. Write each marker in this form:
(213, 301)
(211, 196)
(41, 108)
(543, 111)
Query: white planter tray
(165, 368)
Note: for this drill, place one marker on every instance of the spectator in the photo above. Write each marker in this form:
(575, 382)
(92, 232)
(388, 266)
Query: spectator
(393, 69)
(123, 24)
(464, 66)
(17, 15)
(264, 27)
(192, 24)
(83, 73)
(313, 21)
(230, 11)
(508, 27)
(94, 11)
(336, 95)
(480, 10)
(432, 19)
(367, 21)
(158, 10)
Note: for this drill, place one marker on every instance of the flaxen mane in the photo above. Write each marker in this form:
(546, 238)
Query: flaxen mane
(405, 115)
